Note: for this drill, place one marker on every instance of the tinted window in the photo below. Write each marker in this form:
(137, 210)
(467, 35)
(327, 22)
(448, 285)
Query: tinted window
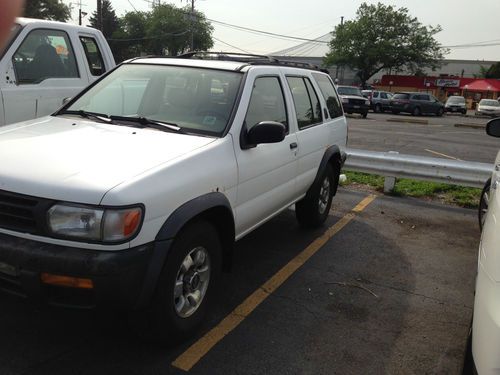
(266, 103)
(349, 90)
(401, 96)
(383, 95)
(93, 54)
(425, 97)
(305, 100)
(44, 54)
(375, 94)
(328, 92)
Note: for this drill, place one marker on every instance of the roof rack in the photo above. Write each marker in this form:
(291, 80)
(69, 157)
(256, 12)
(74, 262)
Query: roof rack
(248, 59)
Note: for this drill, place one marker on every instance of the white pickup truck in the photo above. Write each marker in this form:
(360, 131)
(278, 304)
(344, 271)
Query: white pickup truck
(44, 63)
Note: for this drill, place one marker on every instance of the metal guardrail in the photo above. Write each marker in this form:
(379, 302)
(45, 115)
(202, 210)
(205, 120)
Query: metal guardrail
(392, 165)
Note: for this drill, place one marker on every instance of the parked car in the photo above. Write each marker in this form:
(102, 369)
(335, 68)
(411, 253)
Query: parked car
(353, 100)
(380, 101)
(488, 107)
(46, 62)
(132, 194)
(486, 317)
(456, 104)
(416, 103)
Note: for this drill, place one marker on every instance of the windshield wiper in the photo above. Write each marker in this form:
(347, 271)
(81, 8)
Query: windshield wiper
(90, 115)
(149, 123)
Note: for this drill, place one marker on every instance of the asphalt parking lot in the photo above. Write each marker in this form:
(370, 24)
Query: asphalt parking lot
(387, 290)
(440, 137)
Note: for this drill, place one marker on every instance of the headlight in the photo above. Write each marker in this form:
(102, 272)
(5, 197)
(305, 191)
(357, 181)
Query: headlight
(94, 224)
(344, 100)
(367, 102)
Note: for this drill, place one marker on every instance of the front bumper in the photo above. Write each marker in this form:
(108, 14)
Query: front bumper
(122, 279)
(355, 108)
(486, 324)
(455, 109)
(487, 113)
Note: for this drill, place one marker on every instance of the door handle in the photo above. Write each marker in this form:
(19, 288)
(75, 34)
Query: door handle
(293, 145)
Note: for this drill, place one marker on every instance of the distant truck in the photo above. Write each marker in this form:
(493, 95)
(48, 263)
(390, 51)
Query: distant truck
(45, 62)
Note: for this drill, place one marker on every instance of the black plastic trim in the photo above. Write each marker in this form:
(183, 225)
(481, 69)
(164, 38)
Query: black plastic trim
(330, 152)
(188, 211)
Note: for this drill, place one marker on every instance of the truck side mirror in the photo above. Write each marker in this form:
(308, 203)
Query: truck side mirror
(493, 127)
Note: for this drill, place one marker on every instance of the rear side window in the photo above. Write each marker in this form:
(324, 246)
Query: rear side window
(375, 94)
(401, 96)
(44, 54)
(93, 54)
(328, 92)
(266, 103)
(425, 97)
(307, 106)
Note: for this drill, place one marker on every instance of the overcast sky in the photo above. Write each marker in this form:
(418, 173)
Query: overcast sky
(462, 22)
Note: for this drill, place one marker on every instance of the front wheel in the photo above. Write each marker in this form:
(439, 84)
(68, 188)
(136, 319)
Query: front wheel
(185, 286)
(440, 112)
(313, 209)
(484, 203)
(364, 114)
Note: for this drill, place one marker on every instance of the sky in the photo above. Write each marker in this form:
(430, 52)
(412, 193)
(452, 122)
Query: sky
(462, 22)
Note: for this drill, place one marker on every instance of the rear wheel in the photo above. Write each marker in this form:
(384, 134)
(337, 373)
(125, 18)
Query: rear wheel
(416, 111)
(185, 286)
(364, 114)
(313, 209)
(395, 112)
(378, 108)
(484, 203)
(440, 112)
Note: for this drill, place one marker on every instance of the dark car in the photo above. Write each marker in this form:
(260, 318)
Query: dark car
(416, 103)
(353, 100)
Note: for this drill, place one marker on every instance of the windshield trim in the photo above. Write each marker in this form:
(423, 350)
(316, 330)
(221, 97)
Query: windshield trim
(188, 131)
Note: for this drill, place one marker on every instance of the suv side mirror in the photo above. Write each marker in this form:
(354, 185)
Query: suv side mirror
(493, 127)
(265, 132)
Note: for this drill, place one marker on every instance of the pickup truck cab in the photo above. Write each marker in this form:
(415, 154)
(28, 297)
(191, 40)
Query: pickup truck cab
(46, 62)
(132, 194)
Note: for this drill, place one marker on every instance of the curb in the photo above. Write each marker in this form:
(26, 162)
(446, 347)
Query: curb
(473, 126)
(407, 120)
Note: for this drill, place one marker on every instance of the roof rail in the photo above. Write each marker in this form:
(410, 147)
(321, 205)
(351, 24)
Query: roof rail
(248, 59)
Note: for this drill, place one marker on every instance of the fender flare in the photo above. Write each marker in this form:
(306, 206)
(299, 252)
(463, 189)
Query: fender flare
(333, 156)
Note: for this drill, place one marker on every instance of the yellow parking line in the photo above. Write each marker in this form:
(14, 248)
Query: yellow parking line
(201, 347)
(440, 154)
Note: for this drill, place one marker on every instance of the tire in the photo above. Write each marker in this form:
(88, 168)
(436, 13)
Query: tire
(174, 313)
(364, 114)
(440, 112)
(313, 209)
(416, 111)
(377, 108)
(395, 112)
(483, 203)
(464, 112)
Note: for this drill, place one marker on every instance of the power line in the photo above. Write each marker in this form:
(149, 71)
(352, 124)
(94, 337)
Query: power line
(230, 45)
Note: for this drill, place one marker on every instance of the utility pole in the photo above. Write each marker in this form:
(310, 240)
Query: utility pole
(99, 14)
(337, 68)
(192, 25)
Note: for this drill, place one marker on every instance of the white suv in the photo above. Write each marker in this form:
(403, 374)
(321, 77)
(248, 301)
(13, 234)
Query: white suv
(486, 321)
(132, 195)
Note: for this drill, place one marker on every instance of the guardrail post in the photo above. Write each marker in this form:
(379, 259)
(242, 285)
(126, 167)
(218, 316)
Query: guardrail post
(389, 183)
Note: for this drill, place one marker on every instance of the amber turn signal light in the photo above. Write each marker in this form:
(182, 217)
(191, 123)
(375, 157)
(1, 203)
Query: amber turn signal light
(67, 281)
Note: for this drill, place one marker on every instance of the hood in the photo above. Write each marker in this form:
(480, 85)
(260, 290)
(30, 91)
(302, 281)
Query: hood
(79, 160)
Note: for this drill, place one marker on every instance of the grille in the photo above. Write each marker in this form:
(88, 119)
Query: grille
(19, 212)
(357, 101)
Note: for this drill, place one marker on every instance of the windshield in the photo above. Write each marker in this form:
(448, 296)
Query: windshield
(493, 103)
(348, 90)
(456, 100)
(197, 100)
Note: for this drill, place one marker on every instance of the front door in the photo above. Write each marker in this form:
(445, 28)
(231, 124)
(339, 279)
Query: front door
(266, 173)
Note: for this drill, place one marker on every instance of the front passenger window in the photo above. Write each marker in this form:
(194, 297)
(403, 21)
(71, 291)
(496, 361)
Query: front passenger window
(266, 103)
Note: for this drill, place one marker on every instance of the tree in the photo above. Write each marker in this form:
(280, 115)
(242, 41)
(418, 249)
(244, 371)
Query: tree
(383, 37)
(493, 71)
(54, 10)
(129, 39)
(110, 21)
(169, 30)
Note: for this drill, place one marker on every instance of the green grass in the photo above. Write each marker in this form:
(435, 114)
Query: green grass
(450, 194)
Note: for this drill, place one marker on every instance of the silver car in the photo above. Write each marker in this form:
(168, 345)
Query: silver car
(488, 107)
(456, 104)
